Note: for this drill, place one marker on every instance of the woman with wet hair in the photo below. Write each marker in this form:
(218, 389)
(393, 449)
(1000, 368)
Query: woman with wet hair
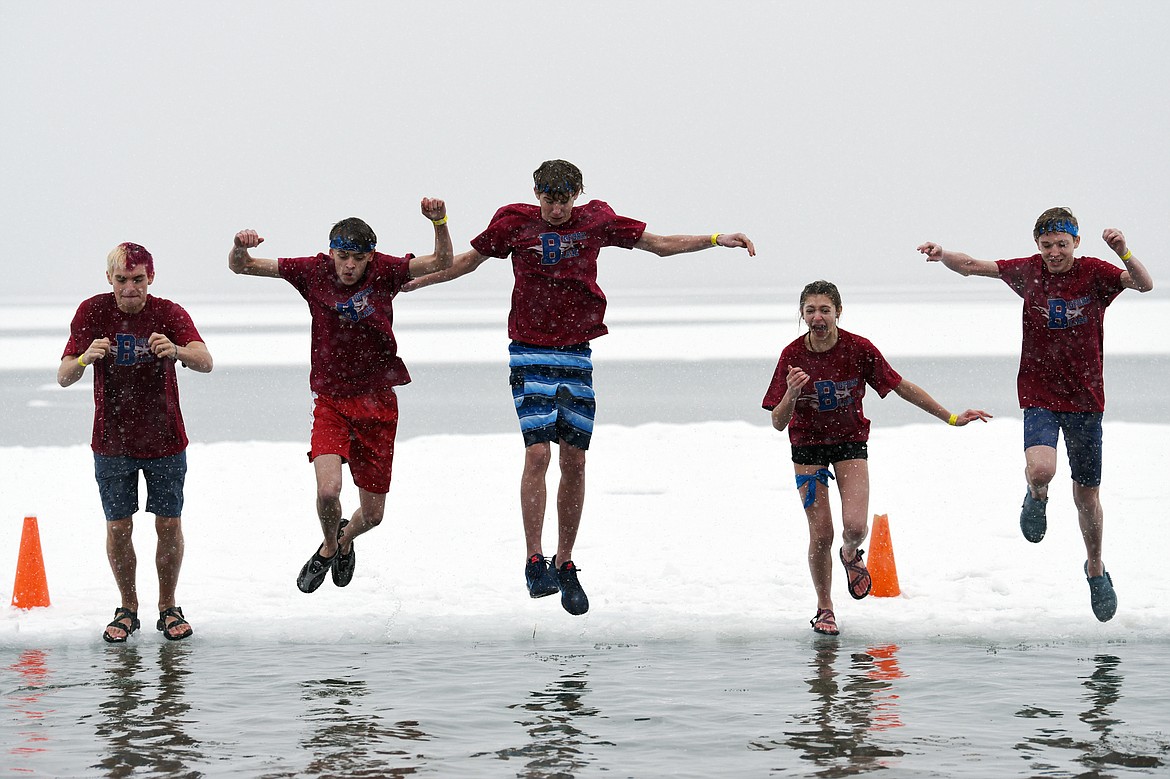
(816, 394)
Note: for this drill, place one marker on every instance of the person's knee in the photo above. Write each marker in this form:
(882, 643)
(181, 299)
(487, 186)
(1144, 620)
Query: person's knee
(1087, 499)
(572, 462)
(328, 491)
(120, 529)
(854, 533)
(537, 457)
(1040, 473)
(821, 534)
(169, 529)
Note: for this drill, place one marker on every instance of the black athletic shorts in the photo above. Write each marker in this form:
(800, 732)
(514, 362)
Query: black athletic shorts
(826, 454)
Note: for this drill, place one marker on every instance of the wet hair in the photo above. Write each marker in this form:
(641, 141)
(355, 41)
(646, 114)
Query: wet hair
(821, 287)
(127, 256)
(353, 231)
(559, 179)
(1056, 220)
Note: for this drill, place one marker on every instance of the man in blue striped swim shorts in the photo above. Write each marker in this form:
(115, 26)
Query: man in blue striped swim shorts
(557, 309)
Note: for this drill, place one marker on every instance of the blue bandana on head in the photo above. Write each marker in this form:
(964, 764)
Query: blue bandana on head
(350, 245)
(563, 188)
(1058, 226)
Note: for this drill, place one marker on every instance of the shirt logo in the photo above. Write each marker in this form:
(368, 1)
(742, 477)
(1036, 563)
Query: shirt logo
(832, 395)
(1062, 314)
(131, 350)
(555, 247)
(357, 307)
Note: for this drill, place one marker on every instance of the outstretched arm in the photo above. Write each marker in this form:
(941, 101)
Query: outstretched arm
(911, 392)
(435, 210)
(1135, 276)
(666, 245)
(963, 264)
(240, 261)
(461, 265)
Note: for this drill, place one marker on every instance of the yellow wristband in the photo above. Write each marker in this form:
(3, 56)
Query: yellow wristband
(715, 238)
(954, 420)
(81, 360)
(439, 222)
(1127, 256)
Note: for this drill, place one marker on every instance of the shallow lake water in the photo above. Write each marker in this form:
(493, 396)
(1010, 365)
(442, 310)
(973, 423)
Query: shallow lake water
(815, 707)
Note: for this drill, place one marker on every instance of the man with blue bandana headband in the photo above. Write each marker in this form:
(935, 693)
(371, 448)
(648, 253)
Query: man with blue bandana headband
(1061, 379)
(354, 370)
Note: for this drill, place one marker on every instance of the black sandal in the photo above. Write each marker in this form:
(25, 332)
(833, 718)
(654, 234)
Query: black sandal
(177, 614)
(122, 613)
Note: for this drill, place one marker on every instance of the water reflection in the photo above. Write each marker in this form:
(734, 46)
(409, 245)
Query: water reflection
(33, 671)
(143, 722)
(348, 740)
(1110, 746)
(851, 706)
(556, 719)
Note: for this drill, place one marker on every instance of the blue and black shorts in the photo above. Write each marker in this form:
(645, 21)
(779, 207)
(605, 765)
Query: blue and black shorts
(1082, 439)
(553, 390)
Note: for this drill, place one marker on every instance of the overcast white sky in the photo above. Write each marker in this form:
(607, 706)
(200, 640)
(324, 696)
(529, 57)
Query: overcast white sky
(838, 135)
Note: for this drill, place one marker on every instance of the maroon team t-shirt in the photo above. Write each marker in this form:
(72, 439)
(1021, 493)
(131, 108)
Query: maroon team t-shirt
(556, 300)
(135, 394)
(828, 410)
(353, 346)
(1061, 360)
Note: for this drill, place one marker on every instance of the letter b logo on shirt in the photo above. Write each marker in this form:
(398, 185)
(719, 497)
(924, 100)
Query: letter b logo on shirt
(826, 395)
(550, 248)
(1057, 314)
(127, 349)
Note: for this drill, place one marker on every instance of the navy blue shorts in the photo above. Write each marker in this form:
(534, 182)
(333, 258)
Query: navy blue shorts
(552, 387)
(117, 479)
(1082, 439)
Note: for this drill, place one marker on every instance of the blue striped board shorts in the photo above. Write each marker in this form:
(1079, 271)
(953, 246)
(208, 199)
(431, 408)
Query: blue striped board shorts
(553, 390)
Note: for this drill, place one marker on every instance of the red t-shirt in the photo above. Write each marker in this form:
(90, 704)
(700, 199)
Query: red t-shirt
(135, 395)
(1062, 360)
(556, 300)
(353, 346)
(828, 410)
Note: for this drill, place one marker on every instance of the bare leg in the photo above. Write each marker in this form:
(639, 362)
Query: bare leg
(369, 515)
(124, 564)
(1092, 521)
(820, 540)
(1039, 468)
(168, 558)
(570, 500)
(534, 495)
(853, 484)
(328, 470)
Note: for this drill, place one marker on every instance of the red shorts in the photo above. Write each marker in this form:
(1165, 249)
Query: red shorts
(361, 430)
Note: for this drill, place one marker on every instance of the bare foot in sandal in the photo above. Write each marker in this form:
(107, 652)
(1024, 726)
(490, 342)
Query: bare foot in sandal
(172, 624)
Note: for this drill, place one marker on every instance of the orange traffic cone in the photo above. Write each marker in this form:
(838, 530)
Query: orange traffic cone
(31, 589)
(881, 560)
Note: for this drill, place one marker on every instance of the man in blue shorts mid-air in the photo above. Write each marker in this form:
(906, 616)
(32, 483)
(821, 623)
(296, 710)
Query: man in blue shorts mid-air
(557, 309)
(1061, 380)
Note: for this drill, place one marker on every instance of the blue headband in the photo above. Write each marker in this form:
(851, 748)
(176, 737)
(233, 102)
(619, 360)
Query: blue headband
(563, 188)
(1058, 226)
(350, 245)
